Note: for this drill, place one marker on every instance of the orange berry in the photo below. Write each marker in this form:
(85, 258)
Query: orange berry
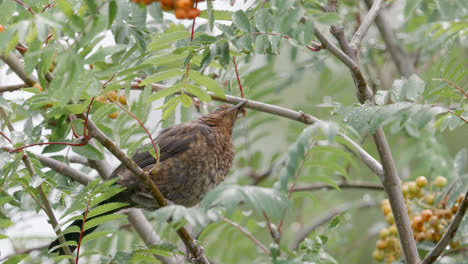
(91, 66)
(378, 255)
(38, 86)
(429, 198)
(184, 4)
(381, 244)
(386, 210)
(393, 230)
(193, 13)
(114, 115)
(455, 207)
(426, 215)
(434, 221)
(167, 5)
(101, 99)
(112, 96)
(389, 218)
(417, 220)
(440, 181)
(420, 236)
(421, 181)
(180, 13)
(460, 198)
(384, 233)
(122, 99)
(47, 106)
(2, 28)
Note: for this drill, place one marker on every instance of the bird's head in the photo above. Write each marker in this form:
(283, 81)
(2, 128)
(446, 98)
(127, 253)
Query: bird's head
(224, 116)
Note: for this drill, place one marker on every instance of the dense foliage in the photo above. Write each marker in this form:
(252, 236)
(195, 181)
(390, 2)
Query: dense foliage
(297, 193)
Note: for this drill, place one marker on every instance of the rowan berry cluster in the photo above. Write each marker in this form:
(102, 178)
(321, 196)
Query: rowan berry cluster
(428, 221)
(112, 97)
(183, 9)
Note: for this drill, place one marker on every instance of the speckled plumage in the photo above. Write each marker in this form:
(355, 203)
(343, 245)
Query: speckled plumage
(194, 158)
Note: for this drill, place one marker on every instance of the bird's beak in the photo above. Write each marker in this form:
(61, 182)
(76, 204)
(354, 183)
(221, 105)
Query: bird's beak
(238, 106)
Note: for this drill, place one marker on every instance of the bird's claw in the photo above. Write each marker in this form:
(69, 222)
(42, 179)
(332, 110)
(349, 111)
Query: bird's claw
(191, 258)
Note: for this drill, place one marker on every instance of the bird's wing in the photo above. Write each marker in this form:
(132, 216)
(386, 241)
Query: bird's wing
(172, 142)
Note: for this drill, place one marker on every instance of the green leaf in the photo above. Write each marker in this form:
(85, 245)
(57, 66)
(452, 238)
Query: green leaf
(210, 13)
(104, 208)
(4, 223)
(198, 92)
(164, 92)
(225, 29)
(15, 259)
(228, 196)
(160, 76)
(169, 110)
(291, 19)
(296, 154)
(245, 43)
(66, 8)
(218, 15)
(6, 199)
(207, 82)
(89, 152)
(165, 58)
(185, 100)
(261, 20)
(66, 243)
(101, 220)
(106, 195)
(166, 38)
(112, 13)
(241, 20)
(95, 235)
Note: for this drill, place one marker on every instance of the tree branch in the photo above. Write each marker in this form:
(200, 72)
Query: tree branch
(47, 208)
(366, 23)
(343, 185)
(327, 217)
(11, 88)
(402, 60)
(17, 66)
(391, 181)
(248, 234)
(449, 234)
(298, 116)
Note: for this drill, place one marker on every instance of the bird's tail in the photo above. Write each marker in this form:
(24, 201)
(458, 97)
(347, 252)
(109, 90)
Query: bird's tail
(71, 237)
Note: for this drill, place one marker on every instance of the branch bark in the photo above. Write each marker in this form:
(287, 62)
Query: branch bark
(449, 234)
(402, 61)
(366, 23)
(390, 181)
(344, 185)
(17, 66)
(298, 116)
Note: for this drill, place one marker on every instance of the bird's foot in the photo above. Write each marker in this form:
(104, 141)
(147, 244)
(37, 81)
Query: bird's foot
(197, 257)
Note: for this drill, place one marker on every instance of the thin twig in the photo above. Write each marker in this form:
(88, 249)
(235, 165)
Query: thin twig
(453, 85)
(248, 234)
(402, 60)
(26, 6)
(298, 116)
(449, 234)
(327, 217)
(366, 23)
(344, 185)
(14, 87)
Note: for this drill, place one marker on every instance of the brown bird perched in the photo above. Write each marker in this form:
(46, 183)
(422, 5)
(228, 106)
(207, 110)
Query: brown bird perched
(194, 158)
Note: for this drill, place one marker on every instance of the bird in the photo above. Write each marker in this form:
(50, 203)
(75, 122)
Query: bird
(194, 157)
